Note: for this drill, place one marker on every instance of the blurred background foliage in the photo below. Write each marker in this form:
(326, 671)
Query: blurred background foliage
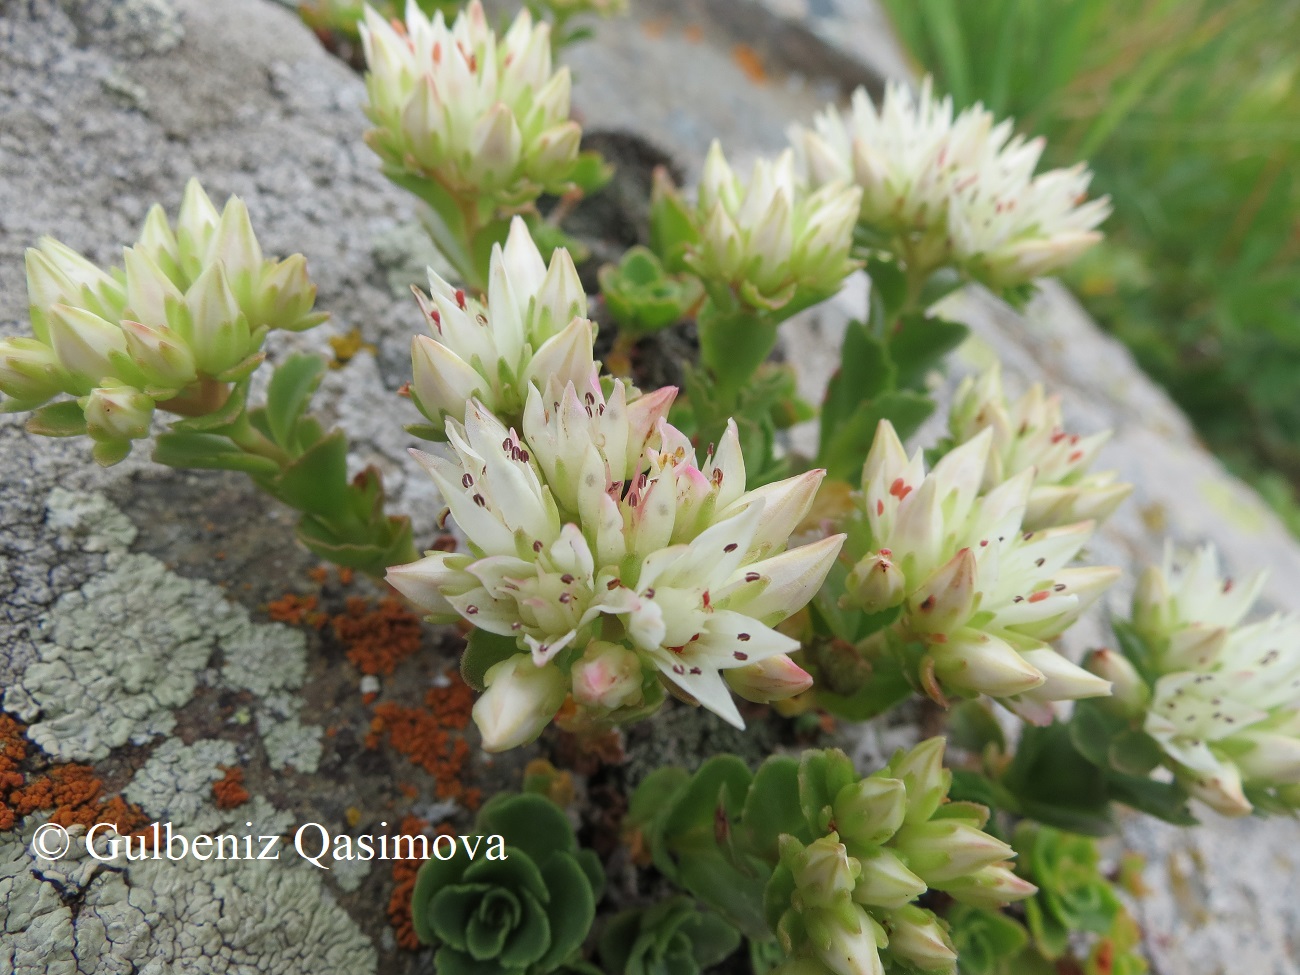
(1188, 112)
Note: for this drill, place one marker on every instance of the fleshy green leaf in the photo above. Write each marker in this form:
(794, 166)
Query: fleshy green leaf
(290, 390)
(63, 419)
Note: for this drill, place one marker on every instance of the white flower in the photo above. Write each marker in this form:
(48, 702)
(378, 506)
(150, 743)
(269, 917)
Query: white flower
(1225, 704)
(951, 189)
(772, 238)
(534, 329)
(983, 594)
(519, 702)
(599, 523)
(481, 116)
(1029, 433)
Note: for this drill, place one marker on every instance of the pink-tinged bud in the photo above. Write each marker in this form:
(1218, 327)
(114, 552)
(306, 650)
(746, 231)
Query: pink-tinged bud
(946, 600)
(607, 677)
(118, 413)
(219, 333)
(520, 700)
(195, 227)
(773, 679)
(886, 881)
(161, 356)
(870, 811)
(1129, 694)
(916, 936)
(876, 583)
(979, 663)
(944, 850)
(991, 887)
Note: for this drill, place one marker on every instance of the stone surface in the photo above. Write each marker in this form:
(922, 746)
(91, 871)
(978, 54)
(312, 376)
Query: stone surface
(106, 107)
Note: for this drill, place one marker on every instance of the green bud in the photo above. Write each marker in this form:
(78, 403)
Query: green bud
(870, 811)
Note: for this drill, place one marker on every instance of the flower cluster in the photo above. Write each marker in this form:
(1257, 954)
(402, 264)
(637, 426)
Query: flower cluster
(482, 117)
(772, 241)
(537, 329)
(185, 318)
(844, 903)
(1029, 433)
(983, 595)
(1221, 698)
(610, 553)
(953, 190)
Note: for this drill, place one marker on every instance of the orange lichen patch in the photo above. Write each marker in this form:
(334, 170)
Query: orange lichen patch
(13, 749)
(654, 28)
(229, 791)
(748, 61)
(404, 874)
(346, 575)
(693, 34)
(380, 637)
(76, 797)
(296, 610)
(430, 736)
(408, 790)
(319, 575)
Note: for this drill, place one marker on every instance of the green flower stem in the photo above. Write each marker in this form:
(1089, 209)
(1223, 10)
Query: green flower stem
(251, 441)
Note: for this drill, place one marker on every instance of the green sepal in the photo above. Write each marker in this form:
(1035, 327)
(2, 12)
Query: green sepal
(427, 431)
(483, 650)
(62, 419)
(290, 390)
(190, 449)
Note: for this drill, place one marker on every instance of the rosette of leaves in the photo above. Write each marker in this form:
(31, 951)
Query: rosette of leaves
(673, 937)
(642, 297)
(527, 913)
(1073, 895)
(989, 942)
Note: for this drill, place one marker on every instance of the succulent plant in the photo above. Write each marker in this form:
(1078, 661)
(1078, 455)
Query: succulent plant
(526, 913)
(674, 937)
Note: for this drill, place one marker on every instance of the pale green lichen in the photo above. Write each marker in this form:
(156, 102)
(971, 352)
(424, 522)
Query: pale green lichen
(291, 744)
(120, 654)
(218, 917)
(175, 784)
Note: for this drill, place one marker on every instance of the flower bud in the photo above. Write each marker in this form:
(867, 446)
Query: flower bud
(1220, 790)
(845, 943)
(772, 679)
(979, 663)
(876, 583)
(1129, 694)
(607, 677)
(917, 936)
(1064, 681)
(422, 583)
(822, 870)
(1271, 757)
(945, 600)
(921, 771)
(162, 356)
(118, 413)
(870, 811)
(219, 333)
(29, 370)
(886, 881)
(946, 849)
(520, 700)
(88, 347)
(990, 887)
